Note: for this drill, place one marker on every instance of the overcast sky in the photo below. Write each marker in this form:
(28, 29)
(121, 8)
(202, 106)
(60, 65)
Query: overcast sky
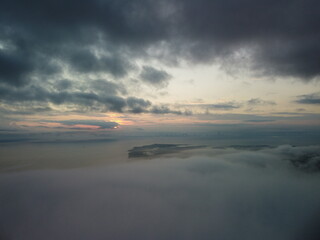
(107, 64)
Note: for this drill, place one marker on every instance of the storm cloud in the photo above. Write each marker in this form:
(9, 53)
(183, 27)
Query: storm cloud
(41, 43)
(282, 36)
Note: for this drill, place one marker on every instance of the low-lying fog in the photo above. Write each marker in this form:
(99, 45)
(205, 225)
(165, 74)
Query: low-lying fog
(200, 192)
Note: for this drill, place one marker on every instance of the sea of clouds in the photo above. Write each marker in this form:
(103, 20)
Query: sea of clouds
(223, 194)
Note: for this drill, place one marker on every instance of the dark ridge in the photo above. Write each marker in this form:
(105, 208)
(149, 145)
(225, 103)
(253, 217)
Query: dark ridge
(247, 147)
(159, 149)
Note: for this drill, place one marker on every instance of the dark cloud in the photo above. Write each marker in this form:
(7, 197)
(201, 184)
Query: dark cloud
(106, 87)
(154, 76)
(224, 106)
(26, 109)
(258, 101)
(13, 69)
(88, 36)
(228, 106)
(96, 123)
(41, 41)
(102, 97)
(258, 118)
(162, 109)
(33, 94)
(64, 84)
(87, 62)
(313, 98)
(138, 105)
(282, 37)
(281, 34)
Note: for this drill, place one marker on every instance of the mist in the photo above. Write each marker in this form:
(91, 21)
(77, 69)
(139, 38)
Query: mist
(204, 193)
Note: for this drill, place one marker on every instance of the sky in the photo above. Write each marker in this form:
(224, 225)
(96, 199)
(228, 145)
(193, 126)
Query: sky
(159, 119)
(107, 65)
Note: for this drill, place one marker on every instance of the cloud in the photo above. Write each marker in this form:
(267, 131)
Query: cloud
(162, 109)
(13, 69)
(231, 105)
(260, 120)
(281, 40)
(138, 105)
(91, 37)
(247, 118)
(87, 62)
(63, 84)
(259, 102)
(104, 87)
(158, 78)
(227, 106)
(211, 194)
(313, 98)
(109, 36)
(83, 41)
(224, 106)
(101, 97)
(303, 158)
(32, 94)
(94, 123)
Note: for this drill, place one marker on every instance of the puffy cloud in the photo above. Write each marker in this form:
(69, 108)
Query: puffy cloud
(154, 76)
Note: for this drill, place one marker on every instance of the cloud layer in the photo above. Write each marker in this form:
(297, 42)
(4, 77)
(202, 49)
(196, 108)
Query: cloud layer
(219, 193)
(41, 43)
